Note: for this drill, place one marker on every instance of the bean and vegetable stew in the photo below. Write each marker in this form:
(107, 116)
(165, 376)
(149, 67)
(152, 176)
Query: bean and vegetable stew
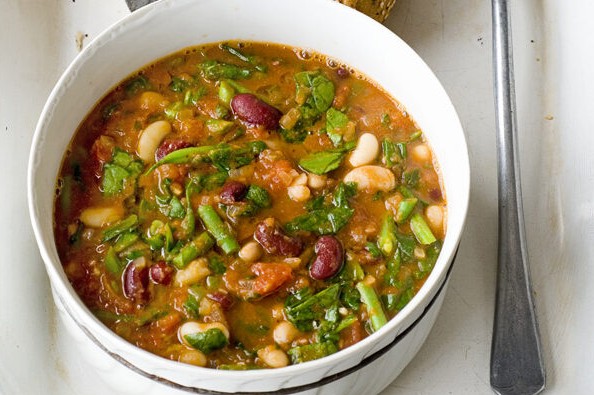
(248, 205)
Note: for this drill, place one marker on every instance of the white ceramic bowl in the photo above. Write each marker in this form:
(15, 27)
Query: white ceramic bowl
(326, 27)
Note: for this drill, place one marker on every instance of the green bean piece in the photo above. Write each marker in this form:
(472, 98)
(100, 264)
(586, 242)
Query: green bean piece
(405, 209)
(376, 313)
(123, 226)
(387, 236)
(183, 155)
(218, 126)
(421, 230)
(124, 241)
(197, 247)
(226, 92)
(112, 262)
(218, 229)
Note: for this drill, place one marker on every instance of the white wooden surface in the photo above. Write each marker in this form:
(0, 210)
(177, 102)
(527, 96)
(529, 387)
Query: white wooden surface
(555, 92)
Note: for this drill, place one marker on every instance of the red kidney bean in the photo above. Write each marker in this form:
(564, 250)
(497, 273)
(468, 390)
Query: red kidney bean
(329, 258)
(435, 194)
(168, 146)
(233, 192)
(342, 72)
(223, 298)
(161, 273)
(252, 110)
(272, 238)
(135, 280)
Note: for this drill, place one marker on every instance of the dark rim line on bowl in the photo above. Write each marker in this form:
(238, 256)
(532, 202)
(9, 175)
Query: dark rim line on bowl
(290, 390)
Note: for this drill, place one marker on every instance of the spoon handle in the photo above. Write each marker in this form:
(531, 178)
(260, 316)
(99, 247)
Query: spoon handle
(516, 361)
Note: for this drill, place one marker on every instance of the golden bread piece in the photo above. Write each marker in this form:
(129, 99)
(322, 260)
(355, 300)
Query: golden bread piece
(377, 9)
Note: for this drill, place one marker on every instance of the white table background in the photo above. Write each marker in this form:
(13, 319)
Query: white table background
(554, 55)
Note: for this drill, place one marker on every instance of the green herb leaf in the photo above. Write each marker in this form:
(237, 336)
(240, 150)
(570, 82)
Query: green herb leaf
(310, 352)
(136, 84)
(411, 178)
(322, 162)
(208, 341)
(293, 136)
(336, 122)
(303, 308)
(320, 94)
(258, 196)
(178, 85)
(323, 222)
(214, 70)
(120, 172)
(216, 264)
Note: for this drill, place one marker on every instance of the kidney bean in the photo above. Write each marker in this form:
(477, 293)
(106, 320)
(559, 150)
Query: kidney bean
(252, 110)
(329, 258)
(135, 280)
(223, 298)
(233, 192)
(161, 273)
(274, 241)
(343, 72)
(168, 146)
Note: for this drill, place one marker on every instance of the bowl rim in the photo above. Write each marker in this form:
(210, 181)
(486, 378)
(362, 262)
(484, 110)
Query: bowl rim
(81, 312)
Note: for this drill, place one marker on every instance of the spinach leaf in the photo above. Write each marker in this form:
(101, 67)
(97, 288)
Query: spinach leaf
(343, 193)
(258, 196)
(322, 162)
(178, 85)
(136, 84)
(336, 122)
(323, 222)
(215, 70)
(293, 136)
(303, 309)
(216, 264)
(319, 93)
(246, 58)
(406, 245)
(411, 178)
(120, 172)
(208, 341)
(309, 352)
(326, 219)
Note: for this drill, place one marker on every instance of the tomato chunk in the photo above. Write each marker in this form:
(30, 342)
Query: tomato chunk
(270, 277)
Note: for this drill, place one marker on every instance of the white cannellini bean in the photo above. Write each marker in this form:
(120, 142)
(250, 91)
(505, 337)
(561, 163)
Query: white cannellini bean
(421, 153)
(193, 357)
(301, 179)
(434, 214)
(372, 178)
(273, 357)
(250, 252)
(299, 193)
(366, 151)
(315, 181)
(193, 327)
(193, 273)
(150, 138)
(152, 100)
(97, 217)
(285, 333)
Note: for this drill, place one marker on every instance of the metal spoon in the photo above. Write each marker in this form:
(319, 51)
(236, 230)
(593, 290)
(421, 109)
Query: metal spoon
(516, 362)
